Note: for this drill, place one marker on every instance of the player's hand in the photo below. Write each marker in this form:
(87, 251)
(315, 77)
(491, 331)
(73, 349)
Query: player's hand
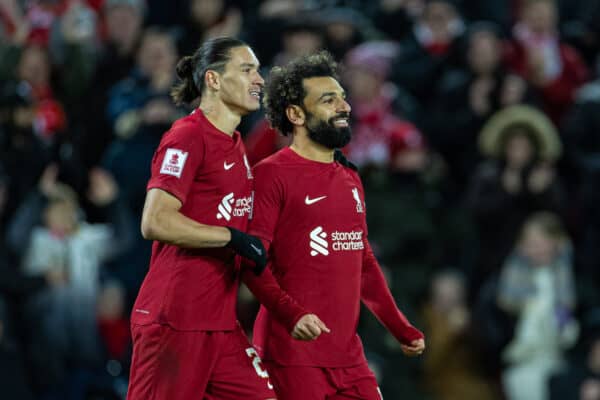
(309, 327)
(415, 348)
(249, 247)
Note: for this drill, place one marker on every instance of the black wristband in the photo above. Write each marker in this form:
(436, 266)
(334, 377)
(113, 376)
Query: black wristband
(249, 247)
(237, 237)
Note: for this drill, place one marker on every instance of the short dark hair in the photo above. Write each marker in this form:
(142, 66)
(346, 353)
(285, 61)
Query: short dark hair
(212, 54)
(285, 86)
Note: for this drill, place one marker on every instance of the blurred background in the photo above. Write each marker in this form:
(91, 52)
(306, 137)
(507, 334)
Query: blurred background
(476, 130)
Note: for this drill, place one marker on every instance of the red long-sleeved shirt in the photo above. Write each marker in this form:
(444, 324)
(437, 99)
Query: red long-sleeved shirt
(311, 215)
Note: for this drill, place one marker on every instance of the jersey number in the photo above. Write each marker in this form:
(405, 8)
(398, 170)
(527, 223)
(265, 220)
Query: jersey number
(256, 363)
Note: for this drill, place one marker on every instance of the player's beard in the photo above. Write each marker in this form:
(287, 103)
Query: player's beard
(326, 133)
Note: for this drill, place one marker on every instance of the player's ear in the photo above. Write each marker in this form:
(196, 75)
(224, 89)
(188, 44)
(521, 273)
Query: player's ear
(212, 80)
(295, 115)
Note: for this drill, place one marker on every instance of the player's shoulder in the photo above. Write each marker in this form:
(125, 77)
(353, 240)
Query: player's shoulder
(185, 125)
(185, 129)
(348, 166)
(272, 163)
(353, 174)
(348, 169)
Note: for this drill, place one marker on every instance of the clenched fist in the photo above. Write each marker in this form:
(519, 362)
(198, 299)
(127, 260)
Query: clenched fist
(309, 327)
(415, 348)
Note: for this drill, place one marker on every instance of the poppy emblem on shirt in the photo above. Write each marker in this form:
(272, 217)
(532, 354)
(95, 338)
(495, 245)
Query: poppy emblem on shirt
(173, 162)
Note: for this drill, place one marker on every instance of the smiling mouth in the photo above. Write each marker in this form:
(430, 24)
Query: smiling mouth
(341, 122)
(255, 94)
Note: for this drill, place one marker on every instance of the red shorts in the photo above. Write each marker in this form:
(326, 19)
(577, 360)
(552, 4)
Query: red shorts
(176, 365)
(314, 383)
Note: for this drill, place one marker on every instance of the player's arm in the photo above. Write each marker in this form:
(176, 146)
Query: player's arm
(176, 162)
(301, 324)
(162, 221)
(269, 195)
(376, 295)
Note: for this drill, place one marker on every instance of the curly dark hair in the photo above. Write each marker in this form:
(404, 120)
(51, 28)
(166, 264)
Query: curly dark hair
(285, 86)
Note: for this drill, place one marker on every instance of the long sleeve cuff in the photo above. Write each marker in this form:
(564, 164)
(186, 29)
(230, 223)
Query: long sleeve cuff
(268, 292)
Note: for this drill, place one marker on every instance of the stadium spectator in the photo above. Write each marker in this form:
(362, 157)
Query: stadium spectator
(452, 364)
(537, 285)
(468, 95)
(122, 21)
(431, 48)
(517, 178)
(538, 54)
(379, 105)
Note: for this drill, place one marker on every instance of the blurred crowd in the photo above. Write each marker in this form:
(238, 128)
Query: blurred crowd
(476, 128)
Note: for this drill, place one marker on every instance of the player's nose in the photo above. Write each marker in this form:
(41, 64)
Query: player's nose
(258, 79)
(344, 106)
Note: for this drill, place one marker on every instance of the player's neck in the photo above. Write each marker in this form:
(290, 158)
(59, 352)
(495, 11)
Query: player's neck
(305, 147)
(220, 116)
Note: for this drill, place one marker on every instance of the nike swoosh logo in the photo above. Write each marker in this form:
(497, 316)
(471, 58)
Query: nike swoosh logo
(310, 201)
(228, 166)
(258, 251)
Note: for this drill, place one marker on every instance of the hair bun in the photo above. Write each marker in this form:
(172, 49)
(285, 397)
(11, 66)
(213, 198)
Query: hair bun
(185, 67)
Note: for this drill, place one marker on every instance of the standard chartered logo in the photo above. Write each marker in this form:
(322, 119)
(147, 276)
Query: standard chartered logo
(231, 207)
(339, 241)
(225, 207)
(318, 244)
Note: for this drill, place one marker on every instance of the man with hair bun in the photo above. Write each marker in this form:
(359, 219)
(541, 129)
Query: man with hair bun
(187, 341)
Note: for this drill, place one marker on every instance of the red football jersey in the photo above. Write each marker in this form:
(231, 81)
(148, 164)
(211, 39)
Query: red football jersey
(313, 215)
(207, 170)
